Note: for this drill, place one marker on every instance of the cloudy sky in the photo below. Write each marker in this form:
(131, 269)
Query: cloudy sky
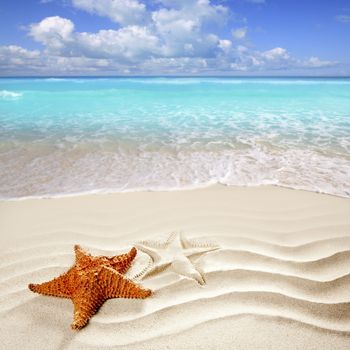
(174, 37)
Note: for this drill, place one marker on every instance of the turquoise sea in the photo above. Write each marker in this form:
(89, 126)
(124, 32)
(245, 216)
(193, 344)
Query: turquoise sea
(65, 136)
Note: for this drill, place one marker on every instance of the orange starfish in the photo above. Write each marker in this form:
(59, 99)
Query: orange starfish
(91, 281)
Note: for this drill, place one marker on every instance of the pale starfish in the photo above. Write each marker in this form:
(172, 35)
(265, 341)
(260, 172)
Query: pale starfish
(175, 251)
(91, 281)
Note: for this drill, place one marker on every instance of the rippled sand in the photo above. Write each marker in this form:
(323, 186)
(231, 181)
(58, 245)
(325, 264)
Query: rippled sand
(281, 277)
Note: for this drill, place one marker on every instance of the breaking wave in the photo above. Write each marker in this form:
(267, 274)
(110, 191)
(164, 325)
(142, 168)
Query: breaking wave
(5, 94)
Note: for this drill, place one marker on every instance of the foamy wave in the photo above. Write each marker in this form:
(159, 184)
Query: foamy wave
(5, 94)
(104, 172)
(111, 138)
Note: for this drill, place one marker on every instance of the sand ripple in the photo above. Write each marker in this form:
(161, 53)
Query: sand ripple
(286, 279)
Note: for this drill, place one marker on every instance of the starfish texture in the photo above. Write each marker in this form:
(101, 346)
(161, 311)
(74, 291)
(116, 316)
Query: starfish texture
(91, 281)
(175, 252)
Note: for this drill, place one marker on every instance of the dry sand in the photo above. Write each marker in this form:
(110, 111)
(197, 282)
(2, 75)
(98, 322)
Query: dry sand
(281, 279)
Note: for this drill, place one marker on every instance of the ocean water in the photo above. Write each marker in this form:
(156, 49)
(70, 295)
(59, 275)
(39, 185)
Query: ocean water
(68, 136)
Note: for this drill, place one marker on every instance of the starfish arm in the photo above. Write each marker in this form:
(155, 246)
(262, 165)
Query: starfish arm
(80, 252)
(122, 262)
(195, 243)
(198, 250)
(174, 240)
(86, 304)
(57, 287)
(145, 270)
(115, 285)
(81, 256)
(184, 267)
(158, 244)
(149, 250)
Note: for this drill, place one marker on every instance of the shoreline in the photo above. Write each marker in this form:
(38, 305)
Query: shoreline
(162, 190)
(283, 264)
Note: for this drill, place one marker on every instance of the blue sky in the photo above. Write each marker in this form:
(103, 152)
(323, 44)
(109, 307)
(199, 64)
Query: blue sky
(176, 37)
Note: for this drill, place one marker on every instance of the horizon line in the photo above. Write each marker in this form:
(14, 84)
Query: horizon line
(172, 76)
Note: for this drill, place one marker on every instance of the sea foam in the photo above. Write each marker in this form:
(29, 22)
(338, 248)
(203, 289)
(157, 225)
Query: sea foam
(117, 135)
(5, 94)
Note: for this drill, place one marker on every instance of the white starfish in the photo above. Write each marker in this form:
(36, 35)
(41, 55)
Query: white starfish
(174, 252)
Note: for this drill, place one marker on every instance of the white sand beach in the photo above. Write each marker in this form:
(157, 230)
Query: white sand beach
(280, 278)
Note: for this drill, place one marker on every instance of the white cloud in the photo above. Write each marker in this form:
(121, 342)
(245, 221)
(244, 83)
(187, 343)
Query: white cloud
(276, 59)
(181, 65)
(124, 12)
(173, 25)
(17, 60)
(18, 52)
(277, 53)
(185, 26)
(14, 58)
(315, 62)
(343, 18)
(180, 31)
(242, 49)
(175, 37)
(52, 31)
(225, 45)
(240, 33)
(176, 3)
(128, 43)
